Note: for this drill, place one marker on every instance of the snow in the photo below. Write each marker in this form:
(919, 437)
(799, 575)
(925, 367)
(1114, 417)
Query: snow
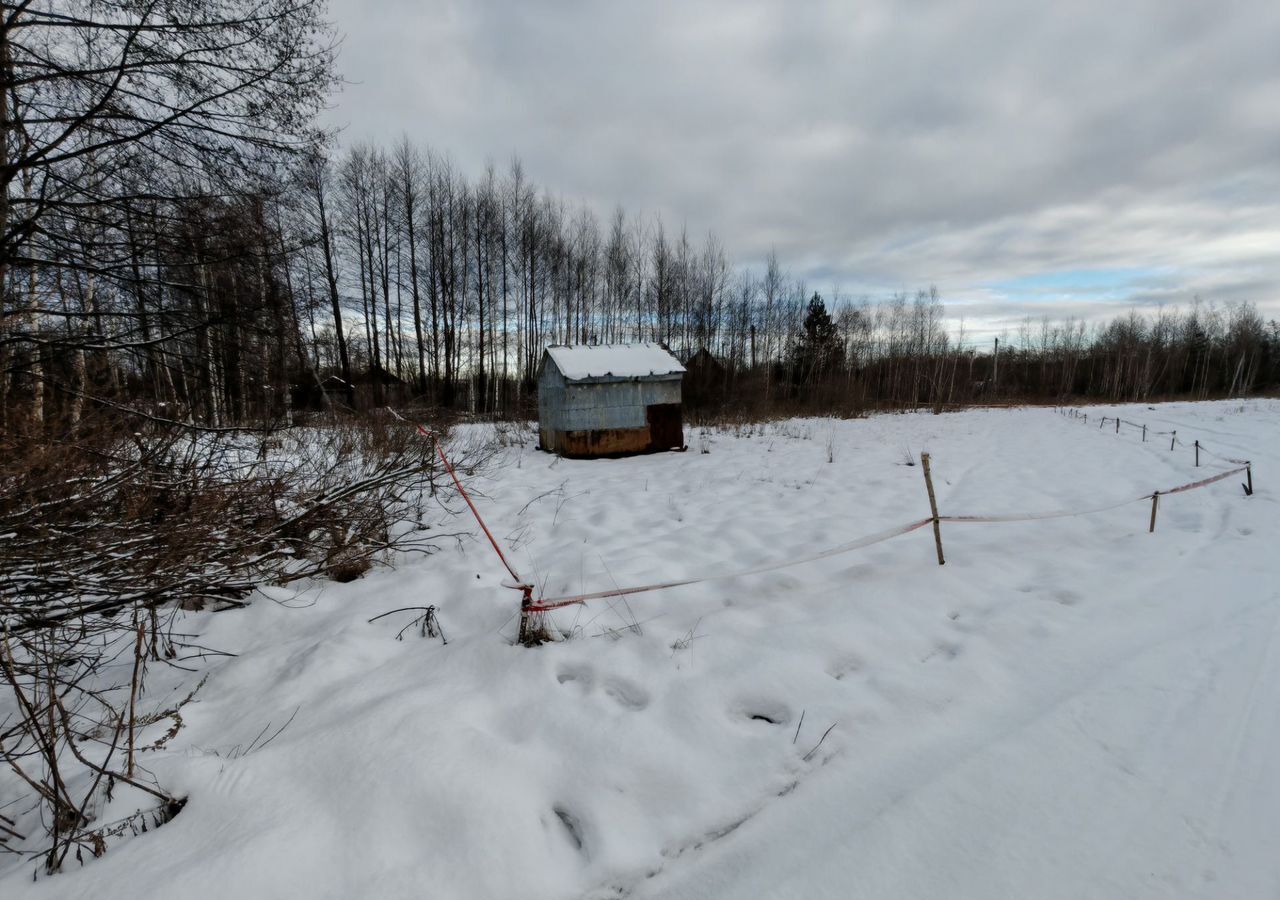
(1068, 708)
(615, 360)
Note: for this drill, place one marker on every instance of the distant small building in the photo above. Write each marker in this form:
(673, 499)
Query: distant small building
(336, 390)
(378, 375)
(704, 380)
(609, 400)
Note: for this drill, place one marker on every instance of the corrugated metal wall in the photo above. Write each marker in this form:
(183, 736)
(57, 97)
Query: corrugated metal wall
(612, 404)
(598, 406)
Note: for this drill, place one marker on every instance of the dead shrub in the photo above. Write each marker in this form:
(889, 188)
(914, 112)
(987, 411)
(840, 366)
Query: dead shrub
(106, 539)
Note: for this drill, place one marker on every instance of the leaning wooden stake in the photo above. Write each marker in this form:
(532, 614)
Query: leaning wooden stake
(933, 505)
(1248, 488)
(1155, 501)
(1173, 440)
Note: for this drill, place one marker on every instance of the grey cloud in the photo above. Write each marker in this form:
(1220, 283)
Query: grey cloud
(880, 144)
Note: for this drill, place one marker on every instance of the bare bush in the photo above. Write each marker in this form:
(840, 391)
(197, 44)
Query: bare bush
(105, 541)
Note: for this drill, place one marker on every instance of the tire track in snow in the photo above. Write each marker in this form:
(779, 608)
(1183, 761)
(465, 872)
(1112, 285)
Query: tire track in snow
(1265, 677)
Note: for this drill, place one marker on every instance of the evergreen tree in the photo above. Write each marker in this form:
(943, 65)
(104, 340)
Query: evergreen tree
(819, 350)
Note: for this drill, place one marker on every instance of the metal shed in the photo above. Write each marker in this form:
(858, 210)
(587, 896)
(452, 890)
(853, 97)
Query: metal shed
(609, 399)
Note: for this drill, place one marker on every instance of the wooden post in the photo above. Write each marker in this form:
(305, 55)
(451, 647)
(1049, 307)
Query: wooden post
(1144, 434)
(1155, 501)
(933, 505)
(526, 601)
(1197, 453)
(1117, 424)
(1102, 423)
(1173, 440)
(1248, 473)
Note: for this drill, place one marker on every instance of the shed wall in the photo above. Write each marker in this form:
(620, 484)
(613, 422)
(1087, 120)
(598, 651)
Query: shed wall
(613, 404)
(600, 418)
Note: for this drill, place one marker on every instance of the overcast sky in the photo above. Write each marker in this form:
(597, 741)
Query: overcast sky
(1080, 157)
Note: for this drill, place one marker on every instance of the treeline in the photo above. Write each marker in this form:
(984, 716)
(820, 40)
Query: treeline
(415, 281)
(213, 263)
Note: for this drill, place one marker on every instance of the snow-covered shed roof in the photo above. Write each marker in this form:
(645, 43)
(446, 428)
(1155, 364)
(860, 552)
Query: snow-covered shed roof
(614, 361)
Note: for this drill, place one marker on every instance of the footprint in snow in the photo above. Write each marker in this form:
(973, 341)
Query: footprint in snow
(573, 675)
(624, 693)
(627, 695)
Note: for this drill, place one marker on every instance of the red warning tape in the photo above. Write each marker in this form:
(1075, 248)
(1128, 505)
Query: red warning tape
(1204, 481)
(548, 604)
(520, 584)
(1238, 462)
(552, 603)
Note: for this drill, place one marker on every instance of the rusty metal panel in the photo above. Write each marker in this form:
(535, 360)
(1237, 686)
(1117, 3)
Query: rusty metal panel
(603, 441)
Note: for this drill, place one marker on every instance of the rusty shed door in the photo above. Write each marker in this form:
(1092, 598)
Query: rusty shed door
(665, 427)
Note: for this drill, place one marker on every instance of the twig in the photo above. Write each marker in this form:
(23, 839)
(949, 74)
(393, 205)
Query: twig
(278, 730)
(809, 755)
(401, 609)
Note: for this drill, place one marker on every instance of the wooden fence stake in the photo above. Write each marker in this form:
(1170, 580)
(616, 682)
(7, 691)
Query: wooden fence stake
(933, 505)
(1197, 454)
(525, 635)
(1248, 488)
(1117, 424)
(1155, 501)
(1144, 434)
(1173, 440)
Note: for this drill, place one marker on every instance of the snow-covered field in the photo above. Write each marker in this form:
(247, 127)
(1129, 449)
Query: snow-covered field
(1069, 708)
